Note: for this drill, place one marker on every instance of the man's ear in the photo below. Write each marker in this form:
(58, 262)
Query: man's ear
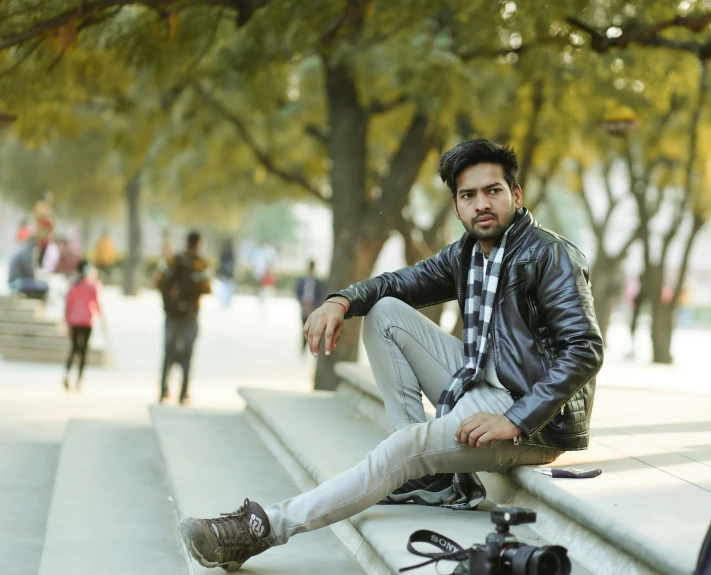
(454, 205)
(518, 197)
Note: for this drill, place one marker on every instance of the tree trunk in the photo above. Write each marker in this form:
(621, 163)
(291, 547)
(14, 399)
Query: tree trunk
(662, 330)
(354, 252)
(361, 224)
(353, 258)
(132, 266)
(607, 287)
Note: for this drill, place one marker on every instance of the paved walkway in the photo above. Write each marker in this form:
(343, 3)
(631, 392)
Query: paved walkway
(657, 415)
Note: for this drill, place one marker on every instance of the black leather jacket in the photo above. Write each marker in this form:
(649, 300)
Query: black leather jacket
(547, 345)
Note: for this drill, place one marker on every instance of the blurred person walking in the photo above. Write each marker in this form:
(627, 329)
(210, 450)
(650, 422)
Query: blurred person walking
(104, 256)
(182, 280)
(69, 257)
(81, 309)
(310, 294)
(24, 231)
(226, 272)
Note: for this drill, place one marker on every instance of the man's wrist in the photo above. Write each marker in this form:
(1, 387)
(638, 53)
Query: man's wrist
(339, 299)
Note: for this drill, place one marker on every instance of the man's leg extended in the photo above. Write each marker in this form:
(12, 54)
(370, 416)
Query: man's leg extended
(408, 354)
(412, 452)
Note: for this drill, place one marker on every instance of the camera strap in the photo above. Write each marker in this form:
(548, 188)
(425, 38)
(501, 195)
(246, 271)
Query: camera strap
(449, 550)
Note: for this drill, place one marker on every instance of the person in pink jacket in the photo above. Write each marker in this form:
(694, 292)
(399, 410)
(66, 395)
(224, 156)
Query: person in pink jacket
(82, 307)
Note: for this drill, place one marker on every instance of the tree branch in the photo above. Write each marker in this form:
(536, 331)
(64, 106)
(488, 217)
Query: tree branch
(599, 233)
(321, 134)
(638, 33)
(380, 107)
(531, 137)
(291, 177)
(404, 166)
(10, 69)
(543, 185)
(91, 13)
(696, 225)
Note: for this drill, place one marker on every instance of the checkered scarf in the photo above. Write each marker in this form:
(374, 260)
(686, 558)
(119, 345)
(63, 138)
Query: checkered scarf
(479, 305)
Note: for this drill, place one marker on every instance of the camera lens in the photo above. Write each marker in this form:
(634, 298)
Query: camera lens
(549, 561)
(529, 560)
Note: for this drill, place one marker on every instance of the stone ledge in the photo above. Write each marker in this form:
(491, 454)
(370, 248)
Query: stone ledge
(598, 505)
(325, 437)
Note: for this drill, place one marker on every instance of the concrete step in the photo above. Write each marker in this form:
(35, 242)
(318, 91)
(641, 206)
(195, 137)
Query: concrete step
(659, 532)
(325, 436)
(25, 315)
(13, 353)
(23, 329)
(215, 460)
(27, 471)
(111, 511)
(15, 302)
(35, 342)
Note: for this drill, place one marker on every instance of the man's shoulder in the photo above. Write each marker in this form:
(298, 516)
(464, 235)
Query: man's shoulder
(541, 244)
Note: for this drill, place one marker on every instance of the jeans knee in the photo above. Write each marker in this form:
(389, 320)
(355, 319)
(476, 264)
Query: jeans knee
(382, 313)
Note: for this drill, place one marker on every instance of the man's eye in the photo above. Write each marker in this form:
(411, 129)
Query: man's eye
(495, 191)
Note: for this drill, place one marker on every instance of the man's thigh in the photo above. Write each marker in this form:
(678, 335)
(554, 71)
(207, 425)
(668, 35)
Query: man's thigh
(433, 354)
(435, 440)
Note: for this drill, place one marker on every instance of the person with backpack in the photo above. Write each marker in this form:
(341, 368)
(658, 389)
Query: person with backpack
(182, 280)
(81, 308)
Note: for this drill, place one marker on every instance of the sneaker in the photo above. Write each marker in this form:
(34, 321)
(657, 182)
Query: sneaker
(229, 540)
(185, 400)
(428, 490)
(163, 398)
(65, 383)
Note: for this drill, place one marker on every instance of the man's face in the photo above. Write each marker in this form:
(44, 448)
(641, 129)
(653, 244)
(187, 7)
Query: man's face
(484, 203)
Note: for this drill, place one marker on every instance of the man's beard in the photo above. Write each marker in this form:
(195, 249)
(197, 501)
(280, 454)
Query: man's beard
(494, 232)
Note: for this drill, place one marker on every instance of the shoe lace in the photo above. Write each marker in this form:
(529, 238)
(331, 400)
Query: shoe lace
(234, 534)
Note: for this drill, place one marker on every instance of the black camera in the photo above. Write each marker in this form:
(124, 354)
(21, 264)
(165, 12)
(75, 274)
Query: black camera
(502, 554)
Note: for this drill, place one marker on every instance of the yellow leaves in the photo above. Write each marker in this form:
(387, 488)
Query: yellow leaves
(66, 37)
(167, 24)
(260, 175)
(172, 24)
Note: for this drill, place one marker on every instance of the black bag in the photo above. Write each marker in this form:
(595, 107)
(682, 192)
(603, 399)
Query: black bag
(703, 567)
(179, 289)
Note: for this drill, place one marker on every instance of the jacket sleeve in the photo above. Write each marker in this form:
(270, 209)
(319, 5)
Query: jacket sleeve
(428, 282)
(565, 305)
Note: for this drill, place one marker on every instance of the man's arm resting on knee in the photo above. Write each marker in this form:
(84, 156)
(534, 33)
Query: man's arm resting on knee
(564, 300)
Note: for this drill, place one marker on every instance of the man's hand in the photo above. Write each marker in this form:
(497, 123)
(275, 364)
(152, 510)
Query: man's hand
(329, 319)
(481, 428)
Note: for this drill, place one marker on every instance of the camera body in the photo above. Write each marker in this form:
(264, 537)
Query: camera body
(503, 554)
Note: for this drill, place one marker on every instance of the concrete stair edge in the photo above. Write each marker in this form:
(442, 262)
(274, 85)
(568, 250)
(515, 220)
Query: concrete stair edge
(588, 549)
(99, 463)
(94, 357)
(349, 535)
(203, 484)
(583, 513)
(307, 476)
(357, 387)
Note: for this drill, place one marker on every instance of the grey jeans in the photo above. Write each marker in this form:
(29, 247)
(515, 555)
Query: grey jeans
(409, 355)
(180, 334)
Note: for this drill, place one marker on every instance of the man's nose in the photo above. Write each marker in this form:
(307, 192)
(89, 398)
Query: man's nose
(482, 203)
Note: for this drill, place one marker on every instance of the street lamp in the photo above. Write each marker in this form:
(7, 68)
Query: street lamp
(620, 122)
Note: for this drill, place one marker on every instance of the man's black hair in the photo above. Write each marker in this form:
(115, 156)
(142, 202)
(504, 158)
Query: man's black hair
(193, 239)
(480, 151)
